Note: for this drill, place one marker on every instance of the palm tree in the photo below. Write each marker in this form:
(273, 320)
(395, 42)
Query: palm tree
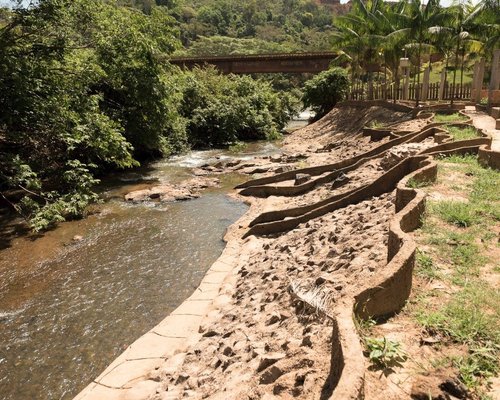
(357, 35)
(461, 27)
(416, 19)
(487, 16)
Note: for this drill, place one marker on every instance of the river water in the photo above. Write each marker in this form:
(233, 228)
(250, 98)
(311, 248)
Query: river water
(69, 307)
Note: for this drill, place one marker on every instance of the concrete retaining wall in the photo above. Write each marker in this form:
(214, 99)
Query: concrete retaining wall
(488, 157)
(262, 188)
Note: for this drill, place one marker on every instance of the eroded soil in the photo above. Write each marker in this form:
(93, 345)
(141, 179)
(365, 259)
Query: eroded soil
(263, 340)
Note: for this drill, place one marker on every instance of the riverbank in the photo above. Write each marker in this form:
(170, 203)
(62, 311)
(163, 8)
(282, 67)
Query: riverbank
(251, 336)
(94, 285)
(326, 229)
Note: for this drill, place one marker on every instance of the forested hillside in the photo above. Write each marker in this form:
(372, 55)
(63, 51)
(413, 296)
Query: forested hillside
(256, 26)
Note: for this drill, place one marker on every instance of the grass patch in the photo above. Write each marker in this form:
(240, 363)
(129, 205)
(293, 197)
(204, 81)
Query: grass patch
(454, 117)
(467, 159)
(462, 133)
(481, 363)
(437, 67)
(458, 234)
(459, 250)
(425, 266)
(415, 184)
(472, 317)
(484, 202)
(458, 213)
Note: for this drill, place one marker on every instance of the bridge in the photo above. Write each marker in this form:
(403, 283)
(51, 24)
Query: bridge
(261, 63)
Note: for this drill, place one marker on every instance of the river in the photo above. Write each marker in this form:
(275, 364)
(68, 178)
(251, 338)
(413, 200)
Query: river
(69, 307)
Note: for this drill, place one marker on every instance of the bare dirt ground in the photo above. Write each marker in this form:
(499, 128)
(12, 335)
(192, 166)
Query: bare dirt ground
(262, 341)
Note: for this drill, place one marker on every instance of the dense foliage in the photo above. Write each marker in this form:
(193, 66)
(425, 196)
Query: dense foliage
(222, 109)
(326, 89)
(84, 85)
(84, 88)
(294, 25)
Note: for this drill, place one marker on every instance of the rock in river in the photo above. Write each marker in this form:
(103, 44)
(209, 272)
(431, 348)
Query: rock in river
(173, 192)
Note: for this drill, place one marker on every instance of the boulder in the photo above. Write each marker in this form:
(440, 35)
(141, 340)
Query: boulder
(173, 192)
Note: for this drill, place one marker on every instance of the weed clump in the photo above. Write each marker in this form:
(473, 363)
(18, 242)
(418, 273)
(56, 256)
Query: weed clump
(384, 353)
(462, 133)
(455, 117)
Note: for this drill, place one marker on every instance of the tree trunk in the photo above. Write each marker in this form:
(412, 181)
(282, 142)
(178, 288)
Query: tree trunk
(417, 88)
(455, 70)
(462, 68)
(396, 82)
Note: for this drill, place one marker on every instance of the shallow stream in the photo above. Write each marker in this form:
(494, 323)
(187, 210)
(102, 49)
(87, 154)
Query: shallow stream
(69, 307)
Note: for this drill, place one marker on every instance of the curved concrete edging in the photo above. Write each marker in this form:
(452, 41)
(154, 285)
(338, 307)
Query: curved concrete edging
(382, 184)
(391, 290)
(489, 157)
(260, 187)
(393, 286)
(318, 170)
(388, 294)
(281, 220)
(129, 376)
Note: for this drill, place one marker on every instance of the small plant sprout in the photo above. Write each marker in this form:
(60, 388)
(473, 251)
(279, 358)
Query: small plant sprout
(385, 353)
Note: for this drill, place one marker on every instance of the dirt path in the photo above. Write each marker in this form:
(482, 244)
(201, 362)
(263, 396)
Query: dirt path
(481, 120)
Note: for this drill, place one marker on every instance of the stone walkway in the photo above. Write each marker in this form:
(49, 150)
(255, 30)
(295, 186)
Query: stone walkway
(481, 120)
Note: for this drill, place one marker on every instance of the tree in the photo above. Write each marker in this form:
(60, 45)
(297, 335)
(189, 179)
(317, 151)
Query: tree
(359, 34)
(417, 19)
(324, 90)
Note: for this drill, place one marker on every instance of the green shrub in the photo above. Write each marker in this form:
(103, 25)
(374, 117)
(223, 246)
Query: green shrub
(324, 90)
(222, 109)
(84, 88)
(384, 353)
